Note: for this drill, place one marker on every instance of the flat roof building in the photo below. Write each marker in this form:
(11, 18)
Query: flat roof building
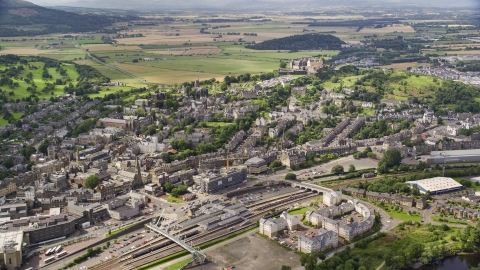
(452, 156)
(11, 249)
(436, 185)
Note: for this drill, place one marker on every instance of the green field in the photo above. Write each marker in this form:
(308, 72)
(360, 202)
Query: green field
(232, 60)
(21, 91)
(404, 216)
(397, 213)
(178, 265)
(449, 220)
(172, 199)
(299, 211)
(217, 124)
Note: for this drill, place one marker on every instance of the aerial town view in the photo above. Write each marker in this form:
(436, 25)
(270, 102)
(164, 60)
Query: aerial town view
(249, 135)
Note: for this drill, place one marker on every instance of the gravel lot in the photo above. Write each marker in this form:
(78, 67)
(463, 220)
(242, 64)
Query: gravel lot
(252, 252)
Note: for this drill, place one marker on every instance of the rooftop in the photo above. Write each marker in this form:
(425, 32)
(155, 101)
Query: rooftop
(436, 184)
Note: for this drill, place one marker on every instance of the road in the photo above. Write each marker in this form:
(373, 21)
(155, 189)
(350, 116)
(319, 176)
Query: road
(108, 65)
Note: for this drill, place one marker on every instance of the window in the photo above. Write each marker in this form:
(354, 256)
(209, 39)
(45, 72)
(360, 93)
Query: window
(9, 260)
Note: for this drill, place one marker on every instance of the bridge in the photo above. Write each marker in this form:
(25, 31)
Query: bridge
(197, 254)
(310, 187)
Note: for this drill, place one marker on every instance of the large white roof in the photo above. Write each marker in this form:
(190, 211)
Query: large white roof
(436, 184)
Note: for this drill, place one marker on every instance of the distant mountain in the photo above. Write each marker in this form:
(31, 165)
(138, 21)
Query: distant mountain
(22, 18)
(160, 5)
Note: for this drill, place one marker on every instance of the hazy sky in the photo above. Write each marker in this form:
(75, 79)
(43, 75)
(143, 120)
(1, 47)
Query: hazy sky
(126, 4)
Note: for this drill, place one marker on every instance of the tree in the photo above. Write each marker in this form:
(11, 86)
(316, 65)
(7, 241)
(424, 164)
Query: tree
(44, 146)
(168, 187)
(285, 267)
(440, 120)
(351, 168)
(338, 169)
(283, 64)
(391, 157)
(8, 163)
(291, 176)
(92, 181)
(28, 151)
(276, 164)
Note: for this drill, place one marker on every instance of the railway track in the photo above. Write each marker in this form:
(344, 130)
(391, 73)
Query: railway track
(124, 263)
(264, 202)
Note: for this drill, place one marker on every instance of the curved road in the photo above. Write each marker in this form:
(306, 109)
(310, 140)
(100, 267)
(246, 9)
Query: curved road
(108, 65)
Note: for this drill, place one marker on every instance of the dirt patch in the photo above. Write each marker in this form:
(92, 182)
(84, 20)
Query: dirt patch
(24, 12)
(253, 252)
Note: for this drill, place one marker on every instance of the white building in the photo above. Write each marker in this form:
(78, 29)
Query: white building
(347, 231)
(453, 131)
(316, 217)
(332, 198)
(325, 239)
(270, 227)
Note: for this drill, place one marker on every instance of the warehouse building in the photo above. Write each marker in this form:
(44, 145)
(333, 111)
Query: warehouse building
(452, 156)
(436, 185)
(213, 182)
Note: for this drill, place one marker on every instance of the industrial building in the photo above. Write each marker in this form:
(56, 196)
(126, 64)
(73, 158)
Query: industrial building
(213, 182)
(436, 185)
(452, 156)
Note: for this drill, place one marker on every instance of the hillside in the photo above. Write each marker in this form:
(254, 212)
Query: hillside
(300, 42)
(22, 18)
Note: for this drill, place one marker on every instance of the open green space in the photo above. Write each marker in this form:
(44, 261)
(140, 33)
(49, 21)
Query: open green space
(20, 91)
(172, 199)
(448, 220)
(406, 244)
(298, 211)
(404, 216)
(178, 265)
(217, 124)
(397, 212)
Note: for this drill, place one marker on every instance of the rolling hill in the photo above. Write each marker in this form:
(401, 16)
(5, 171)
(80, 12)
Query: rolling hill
(300, 42)
(22, 18)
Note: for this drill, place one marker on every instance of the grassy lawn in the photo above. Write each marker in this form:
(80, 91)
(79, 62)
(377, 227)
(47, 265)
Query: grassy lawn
(252, 178)
(398, 213)
(177, 265)
(449, 220)
(3, 122)
(404, 216)
(368, 111)
(172, 199)
(298, 211)
(218, 124)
